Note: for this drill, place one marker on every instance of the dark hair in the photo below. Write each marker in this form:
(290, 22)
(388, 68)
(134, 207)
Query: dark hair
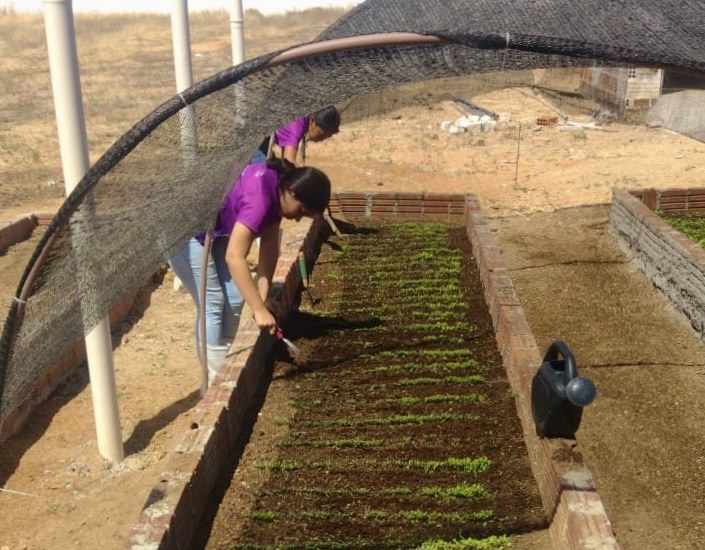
(309, 185)
(327, 119)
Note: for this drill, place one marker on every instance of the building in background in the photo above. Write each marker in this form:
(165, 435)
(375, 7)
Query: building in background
(632, 89)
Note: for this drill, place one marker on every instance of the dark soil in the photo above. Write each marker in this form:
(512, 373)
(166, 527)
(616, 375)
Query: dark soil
(398, 395)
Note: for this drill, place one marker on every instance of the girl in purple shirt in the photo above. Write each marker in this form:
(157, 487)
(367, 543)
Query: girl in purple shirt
(254, 207)
(316, 127)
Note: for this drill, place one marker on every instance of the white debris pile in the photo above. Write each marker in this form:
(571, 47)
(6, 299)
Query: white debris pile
(474, 124)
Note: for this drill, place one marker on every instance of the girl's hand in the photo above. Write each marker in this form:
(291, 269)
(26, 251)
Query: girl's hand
(265, 320)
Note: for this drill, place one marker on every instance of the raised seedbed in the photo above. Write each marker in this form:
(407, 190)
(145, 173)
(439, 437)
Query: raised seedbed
(674, 263)
(441, 439)
(405, 430)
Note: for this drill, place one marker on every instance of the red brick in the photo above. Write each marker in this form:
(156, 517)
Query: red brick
(410, 196)
(376, 197)
(435, 209)
(44, 218)
(409, 209)
(673, 192)
(445, 197)
(650, 199)
(350, 195)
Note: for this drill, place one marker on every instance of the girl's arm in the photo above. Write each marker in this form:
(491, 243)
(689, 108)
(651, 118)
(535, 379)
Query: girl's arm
(289, 153)
(268, 255)
(236, 257)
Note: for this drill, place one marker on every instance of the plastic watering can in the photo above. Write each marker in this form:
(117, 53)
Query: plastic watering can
(558, 394)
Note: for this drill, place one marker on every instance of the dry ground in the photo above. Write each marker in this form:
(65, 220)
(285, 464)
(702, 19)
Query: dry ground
(77, 500)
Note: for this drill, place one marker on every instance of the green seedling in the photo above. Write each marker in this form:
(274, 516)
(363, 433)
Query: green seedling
(473, 379)
(420, 516)
(454, 398)
(280, 466)
(316, 514)
(375, 514)
(396, 491)
(429, 367)
(266, 515)
(494, 542)
(463, 490)
(471, 465)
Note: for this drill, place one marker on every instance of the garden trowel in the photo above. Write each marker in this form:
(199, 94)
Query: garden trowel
(305, 280)
(279, 335)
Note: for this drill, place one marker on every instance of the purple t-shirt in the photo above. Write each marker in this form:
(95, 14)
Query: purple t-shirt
(291, 134)
(253, 201)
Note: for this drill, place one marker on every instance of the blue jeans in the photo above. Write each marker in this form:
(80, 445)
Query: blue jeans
(223, 299)
(258, 158)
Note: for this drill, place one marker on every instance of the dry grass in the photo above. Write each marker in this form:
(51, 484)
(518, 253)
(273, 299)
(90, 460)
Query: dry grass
(127, 70)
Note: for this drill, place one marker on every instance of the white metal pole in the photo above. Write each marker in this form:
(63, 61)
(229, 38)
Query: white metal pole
(184, 74)
(237, 31)
(182, 45)
(66, 87)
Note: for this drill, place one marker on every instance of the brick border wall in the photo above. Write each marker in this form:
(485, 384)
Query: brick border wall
(671, 199)
(19, 229)
(674, 264)
(409, 206)
(568, 492)
(170, 518)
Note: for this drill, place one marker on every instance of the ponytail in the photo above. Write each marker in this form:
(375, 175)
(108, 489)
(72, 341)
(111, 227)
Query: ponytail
(309, 185)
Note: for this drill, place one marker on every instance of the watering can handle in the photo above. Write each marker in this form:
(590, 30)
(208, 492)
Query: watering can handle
(560, 348)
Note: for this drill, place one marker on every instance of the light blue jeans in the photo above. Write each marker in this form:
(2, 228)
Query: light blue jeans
(258, 158)
(223, 299)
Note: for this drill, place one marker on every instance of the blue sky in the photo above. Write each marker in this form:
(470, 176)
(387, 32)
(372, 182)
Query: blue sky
(164, 6)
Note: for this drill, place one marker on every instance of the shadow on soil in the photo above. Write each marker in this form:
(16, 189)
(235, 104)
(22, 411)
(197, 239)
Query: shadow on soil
(225, 477)
(306, 326)
(16, 446)
(145, 429)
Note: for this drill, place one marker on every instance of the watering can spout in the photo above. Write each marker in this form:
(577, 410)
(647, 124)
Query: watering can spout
(558, 394)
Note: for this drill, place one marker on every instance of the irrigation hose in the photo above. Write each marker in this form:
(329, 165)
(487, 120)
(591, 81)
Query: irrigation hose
(202, 312)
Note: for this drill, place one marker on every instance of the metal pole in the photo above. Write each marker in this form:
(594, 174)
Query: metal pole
(516, 173)
(237, 37)
(182, 45)
(187, 120)
(184, 75)
(237, 31)
(66, 87)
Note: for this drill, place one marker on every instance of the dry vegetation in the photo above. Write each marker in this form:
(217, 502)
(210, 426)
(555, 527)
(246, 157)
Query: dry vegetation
(127, 70)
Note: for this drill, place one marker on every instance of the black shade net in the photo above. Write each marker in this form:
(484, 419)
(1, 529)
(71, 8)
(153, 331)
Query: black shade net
(164, 180)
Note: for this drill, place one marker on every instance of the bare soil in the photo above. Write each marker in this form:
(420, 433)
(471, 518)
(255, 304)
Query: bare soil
(642, 438)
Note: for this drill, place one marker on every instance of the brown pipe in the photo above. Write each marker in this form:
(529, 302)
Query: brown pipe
(29, 283)
(381, 40)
